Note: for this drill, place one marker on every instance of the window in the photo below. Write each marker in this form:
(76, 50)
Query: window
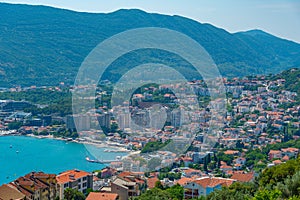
(79, 186)
(79, 180)
(84, 178)
(84, 185)
(66, 185)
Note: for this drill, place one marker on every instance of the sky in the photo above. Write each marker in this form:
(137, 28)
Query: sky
(278, 17)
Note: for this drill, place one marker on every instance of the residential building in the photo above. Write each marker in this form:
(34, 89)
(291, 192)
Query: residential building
(204, 186)
(9, 192)
(104, 120)
(37, 185)
(128, 184)
(76, 179)
(275, 154)
(80, 122)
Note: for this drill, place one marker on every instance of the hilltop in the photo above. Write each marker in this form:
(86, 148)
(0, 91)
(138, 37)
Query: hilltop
(42, 45)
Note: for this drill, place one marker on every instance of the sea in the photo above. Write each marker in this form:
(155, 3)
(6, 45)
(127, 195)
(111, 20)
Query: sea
(20, 155)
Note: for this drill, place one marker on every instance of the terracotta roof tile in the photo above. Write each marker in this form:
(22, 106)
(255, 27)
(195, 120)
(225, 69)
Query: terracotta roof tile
(70, 176)
(213, 182)
(151, 182)
(101, 196)
(243, 177)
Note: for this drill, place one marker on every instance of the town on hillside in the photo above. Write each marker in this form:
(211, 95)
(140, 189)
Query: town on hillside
(173, 150)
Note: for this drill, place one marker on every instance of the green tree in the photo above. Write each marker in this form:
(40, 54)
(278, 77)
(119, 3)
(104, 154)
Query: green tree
(273, 175)
(176, 192)
(155, 194)
(68, 194)
(267, 195)
(72, 194)
(14, 125)
(226, 194)
(159, 185)
(291, 186)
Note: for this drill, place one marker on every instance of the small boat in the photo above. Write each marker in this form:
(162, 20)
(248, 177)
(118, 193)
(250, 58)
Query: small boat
(91, 160)
(17, 151)
(118, 157)
(10, 146)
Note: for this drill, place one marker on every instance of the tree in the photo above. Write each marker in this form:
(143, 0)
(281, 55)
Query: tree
(72, 194)
(159, 185)
(267, 195)
(205, 165)
(114, 127)
(273, 175)
(68, 194)
(227, 194)
(291, 186)
(208, 158)
(155, 194)
(14, 125)
(176, 192)
(239, 144)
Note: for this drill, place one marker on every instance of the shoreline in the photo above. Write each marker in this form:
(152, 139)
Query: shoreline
(111, 147)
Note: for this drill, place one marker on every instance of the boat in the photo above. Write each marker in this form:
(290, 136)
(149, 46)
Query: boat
(10, 146)
(118, 157)
(91, 160)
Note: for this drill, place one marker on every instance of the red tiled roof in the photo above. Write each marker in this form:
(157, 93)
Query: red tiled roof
(70, 176)
(285, 158)
(231, 152)
(183, 181)
(8, 192)
(101, 196)
(274, 152)
(213, 182)
(243, 177)
(151, 182)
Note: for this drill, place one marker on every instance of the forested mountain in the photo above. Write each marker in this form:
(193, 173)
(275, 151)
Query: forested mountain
(41, 45)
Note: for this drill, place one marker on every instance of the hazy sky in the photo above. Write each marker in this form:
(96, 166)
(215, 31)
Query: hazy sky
(279, 17)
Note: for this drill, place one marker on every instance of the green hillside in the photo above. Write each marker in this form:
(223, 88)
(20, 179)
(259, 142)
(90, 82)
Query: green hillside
(43, 46)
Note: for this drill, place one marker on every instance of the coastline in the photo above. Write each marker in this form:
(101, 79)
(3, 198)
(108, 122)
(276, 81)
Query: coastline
(111, 147)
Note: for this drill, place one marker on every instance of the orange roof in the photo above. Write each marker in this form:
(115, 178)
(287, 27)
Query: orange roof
(190, 170)
(183, 181)
(213, 182)
(285, 158)
(243, 177)
(8, 192)
(70, 176)
(274, 152)
(290, 149)
(151, 182)
(276, 162)
(101, 196)
(231, 152)
(187, 158)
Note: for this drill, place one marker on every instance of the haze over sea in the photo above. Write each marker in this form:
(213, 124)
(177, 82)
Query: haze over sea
(21, 155)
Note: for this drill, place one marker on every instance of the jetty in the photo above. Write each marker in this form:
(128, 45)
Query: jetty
(101, 161)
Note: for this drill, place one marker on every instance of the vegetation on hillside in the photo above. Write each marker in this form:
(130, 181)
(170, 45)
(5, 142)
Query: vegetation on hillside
(274, 183)
(48, 49)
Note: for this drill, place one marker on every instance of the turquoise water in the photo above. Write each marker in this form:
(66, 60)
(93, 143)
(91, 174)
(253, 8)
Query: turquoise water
(20, 155)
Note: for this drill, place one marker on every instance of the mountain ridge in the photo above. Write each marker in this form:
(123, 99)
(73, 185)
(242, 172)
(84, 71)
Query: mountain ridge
(41, 45)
